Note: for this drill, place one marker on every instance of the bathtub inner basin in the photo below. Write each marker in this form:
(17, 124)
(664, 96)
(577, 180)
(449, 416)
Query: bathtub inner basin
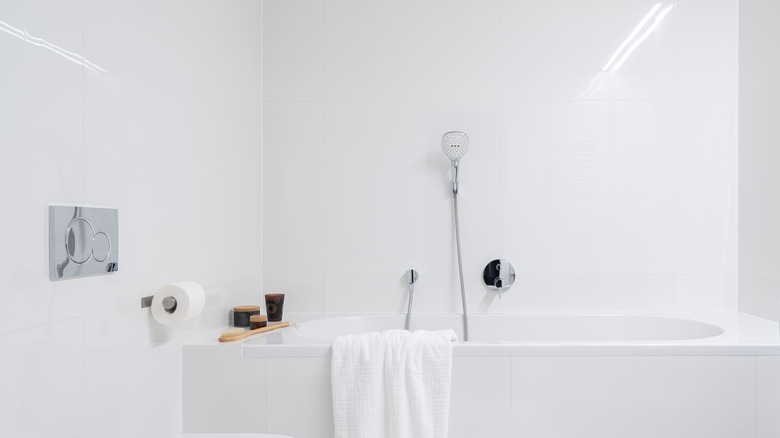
(512, 328)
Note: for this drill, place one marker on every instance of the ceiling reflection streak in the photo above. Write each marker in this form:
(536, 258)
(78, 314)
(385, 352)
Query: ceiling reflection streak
(644, 36)
(632, 35)
(632, 42)
(40, 42)
(594, 86)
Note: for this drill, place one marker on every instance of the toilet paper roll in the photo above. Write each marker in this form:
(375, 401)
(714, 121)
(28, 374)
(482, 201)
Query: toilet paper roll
(189, 297)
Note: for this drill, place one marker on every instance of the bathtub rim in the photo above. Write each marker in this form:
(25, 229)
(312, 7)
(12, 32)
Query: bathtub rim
(744, 335)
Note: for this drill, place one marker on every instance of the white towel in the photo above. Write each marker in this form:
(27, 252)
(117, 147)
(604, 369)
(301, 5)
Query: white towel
(394, 384)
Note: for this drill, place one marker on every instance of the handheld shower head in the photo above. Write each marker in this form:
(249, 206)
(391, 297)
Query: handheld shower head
(455, 145)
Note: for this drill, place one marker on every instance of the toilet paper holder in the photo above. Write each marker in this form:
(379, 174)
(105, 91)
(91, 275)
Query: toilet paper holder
(169, 303)
(176, 303)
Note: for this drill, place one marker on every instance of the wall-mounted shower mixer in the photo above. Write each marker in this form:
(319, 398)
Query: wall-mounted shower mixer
(499, 275)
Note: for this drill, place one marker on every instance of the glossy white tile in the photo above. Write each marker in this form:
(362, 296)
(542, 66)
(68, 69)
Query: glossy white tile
(293, 50)
(186, 209)
(757, 68)
(40, 158)
(435, 293)
(162, 117)
(139, 63)
(759, 242)
(303, 293)
(364, 293)
(42, 378)
(479, 299)
(549, 54)
(589, 293)
(408, 50)
(705, 50)
(759, 91)
(128, 353)
(705, 293)
(294, 188)
(227, 41)
(759, 297)
(386, 177)
(705, 195)
(372, 176)
(588, 187)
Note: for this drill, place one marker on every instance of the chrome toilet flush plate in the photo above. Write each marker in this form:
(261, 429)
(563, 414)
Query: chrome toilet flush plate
(82, 241)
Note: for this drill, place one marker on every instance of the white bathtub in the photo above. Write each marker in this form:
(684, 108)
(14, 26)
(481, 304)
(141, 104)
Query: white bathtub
(525, 327)
(679, 375)
(525, 334)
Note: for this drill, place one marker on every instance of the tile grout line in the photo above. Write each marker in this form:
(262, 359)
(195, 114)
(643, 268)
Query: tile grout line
(322, 158)
(755, 395)
(83, 191)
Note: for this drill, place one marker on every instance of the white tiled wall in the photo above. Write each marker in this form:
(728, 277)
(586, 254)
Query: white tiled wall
(608, 191)
(163, 123)
(759, 211)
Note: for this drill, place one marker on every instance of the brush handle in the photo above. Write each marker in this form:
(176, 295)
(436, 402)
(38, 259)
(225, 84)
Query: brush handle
(254, 332)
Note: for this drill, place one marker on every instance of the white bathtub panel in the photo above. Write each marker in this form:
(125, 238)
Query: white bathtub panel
(549, 54)
(215, 398)
(293, 49)
(300, 402)
(768, 396)
(480, 399)
(678, 397)
(410, 50)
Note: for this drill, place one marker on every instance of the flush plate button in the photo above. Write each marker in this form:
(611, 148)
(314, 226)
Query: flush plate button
(82, 241)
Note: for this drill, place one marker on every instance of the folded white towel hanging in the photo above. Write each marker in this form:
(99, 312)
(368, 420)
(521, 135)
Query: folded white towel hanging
(394, 384)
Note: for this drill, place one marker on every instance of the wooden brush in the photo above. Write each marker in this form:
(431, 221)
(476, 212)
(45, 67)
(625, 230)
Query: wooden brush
(230, 335)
